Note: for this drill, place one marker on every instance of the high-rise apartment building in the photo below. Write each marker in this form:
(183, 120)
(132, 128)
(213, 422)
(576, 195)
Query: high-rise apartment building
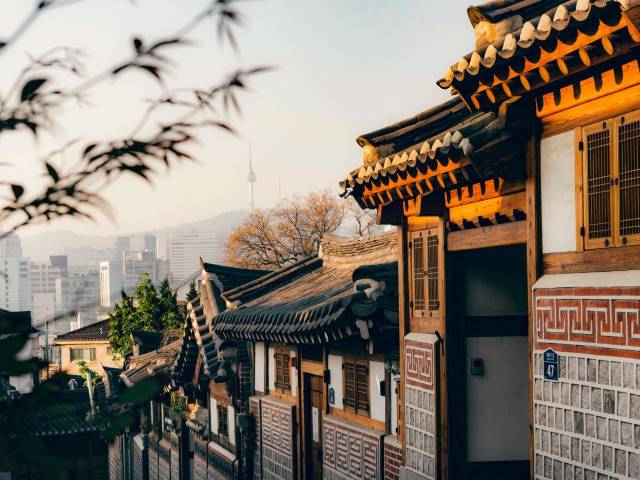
(61, 262)
(135, 265)
(43, 277)
(15, 280)
(77, 300)
(15, 284)
(110, 283)
(186, 249)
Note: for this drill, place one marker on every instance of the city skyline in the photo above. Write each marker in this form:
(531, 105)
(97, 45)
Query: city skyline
(289, 114)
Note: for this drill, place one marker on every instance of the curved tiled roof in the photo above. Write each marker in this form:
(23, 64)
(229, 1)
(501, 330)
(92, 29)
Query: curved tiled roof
(98, 331)
(558, 26)
(316, 300)
(150, 364)
(65, 413)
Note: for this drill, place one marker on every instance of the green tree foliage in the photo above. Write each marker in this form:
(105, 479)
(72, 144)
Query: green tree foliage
(150, 310)
(192, 293)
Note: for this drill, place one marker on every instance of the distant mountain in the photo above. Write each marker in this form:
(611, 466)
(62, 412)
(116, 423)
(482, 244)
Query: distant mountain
(39, 247)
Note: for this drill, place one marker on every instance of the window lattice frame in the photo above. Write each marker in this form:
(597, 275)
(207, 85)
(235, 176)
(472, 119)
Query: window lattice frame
(611, 182)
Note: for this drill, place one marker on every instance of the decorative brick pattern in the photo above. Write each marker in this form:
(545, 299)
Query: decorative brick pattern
(392, 458)
(589, 319)
(350, 451)
(587, 424)
(278, 440)
(220, 462)
(153, 459)
(115, 459)
(139, 458)
(420, 404)
(175, 457)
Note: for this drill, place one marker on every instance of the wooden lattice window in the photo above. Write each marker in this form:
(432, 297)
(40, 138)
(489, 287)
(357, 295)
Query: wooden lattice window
(283, 371)
(611, 156)
(424, 256)
(223, 420)
(355, 372)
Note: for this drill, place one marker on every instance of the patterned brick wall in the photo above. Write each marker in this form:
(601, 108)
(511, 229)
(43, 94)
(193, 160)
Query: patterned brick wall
(278, 440)
(350, 451)
(200, 460)
(587, 424)
(392, 457)
(153, 458)
(140, 468)
(220, 462)
(164, 460)
(420, 405)
(254, 406)
(175, 456)
(115, 459)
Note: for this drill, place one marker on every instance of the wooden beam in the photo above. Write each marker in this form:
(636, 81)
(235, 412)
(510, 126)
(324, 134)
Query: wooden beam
(597, 260)
(493, 236)
(403, 311)
(534, 258)
(594, 103)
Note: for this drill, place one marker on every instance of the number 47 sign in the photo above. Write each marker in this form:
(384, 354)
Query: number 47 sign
(551, 365)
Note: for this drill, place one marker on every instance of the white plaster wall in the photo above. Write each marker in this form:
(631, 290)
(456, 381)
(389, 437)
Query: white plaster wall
(272, 369)
(557, 192)
(259, 367)
(213, 413)
(231, 423)
(334, 362)
(497, 402)
(376, 375)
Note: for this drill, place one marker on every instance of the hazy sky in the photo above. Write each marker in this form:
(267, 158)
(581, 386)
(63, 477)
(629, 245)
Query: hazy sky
(344, 68)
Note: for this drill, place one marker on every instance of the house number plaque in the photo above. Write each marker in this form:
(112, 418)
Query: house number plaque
(551, 364)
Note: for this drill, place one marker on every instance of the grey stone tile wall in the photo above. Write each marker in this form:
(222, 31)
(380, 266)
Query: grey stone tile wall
(587, 424)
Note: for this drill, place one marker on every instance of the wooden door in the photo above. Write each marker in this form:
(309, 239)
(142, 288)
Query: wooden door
(313, 408)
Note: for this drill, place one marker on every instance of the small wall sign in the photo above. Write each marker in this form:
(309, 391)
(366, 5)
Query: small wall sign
(332, 396)
(315, 415)
(551, 364)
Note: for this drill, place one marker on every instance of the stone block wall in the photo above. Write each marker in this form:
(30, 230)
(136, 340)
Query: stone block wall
(278, 439)
(116, 471)
(351, 452)
(392, 457)
(420, 406)
(587, 423)
(254, 407)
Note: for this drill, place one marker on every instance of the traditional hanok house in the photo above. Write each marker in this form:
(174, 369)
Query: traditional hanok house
(517, 205)
(323, 341)
(174, 438)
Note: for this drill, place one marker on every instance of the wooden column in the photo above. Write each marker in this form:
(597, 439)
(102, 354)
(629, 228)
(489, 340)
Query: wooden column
(534, 260)
(403, 310)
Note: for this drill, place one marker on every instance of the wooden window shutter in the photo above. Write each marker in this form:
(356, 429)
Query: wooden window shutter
(598, 183)
(286, 373)
(349, 375)
(433, 272)
(425, 277)
(416, 252)
(627, 181)
(362, 386)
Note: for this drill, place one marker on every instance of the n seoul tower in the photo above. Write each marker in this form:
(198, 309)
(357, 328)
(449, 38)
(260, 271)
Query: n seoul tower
(251, 178)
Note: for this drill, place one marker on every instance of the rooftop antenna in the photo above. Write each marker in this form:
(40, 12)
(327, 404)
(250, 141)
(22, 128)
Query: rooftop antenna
(251, 178)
